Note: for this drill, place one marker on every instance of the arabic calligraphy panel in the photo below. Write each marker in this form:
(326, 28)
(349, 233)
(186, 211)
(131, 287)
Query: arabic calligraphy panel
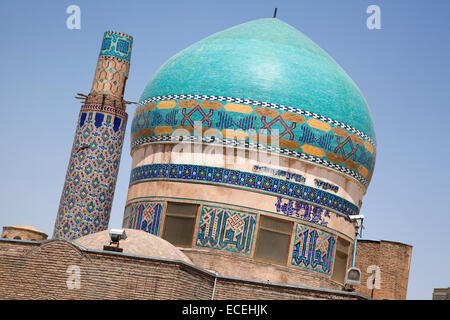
(226, 229)
(313, 249)
(145, 216)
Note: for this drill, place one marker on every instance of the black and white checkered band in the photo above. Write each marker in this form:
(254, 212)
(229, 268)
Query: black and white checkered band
(103, 108)
(261, 104)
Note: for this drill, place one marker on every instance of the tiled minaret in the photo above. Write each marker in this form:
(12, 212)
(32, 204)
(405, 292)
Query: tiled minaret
(88, 191)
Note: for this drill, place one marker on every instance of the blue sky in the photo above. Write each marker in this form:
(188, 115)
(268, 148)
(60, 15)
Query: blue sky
(403, 71)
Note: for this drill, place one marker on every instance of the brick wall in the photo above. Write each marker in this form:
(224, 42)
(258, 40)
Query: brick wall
(237, 289)
(393, 259)
(230, 264)
(38, 270)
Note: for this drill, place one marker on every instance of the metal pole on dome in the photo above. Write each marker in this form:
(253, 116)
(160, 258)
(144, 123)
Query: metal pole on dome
(275, 13)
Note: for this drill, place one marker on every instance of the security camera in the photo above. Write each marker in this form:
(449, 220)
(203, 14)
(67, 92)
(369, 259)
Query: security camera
(117, 235)
(357, 220)
(356, 217)
(353, 277)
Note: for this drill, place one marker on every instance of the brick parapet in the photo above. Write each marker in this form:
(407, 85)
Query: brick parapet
(39, 270)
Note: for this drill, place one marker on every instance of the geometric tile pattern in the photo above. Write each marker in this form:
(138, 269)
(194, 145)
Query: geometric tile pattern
(145, 216)
(226, 229)
(313, 249)
(253, 125)
(110, 75)
(90, 181)
(243, 180)
(113, 64)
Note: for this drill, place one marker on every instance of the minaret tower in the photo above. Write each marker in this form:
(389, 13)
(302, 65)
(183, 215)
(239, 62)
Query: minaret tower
(88, 191)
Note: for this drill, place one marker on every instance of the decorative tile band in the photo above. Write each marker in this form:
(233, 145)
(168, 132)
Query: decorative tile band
(226, 229)
(250, 145)
(240, 179)
(145, 215)
(117, 44)
(262, 104)
(297, 133)
(120, 34)
(107, 109)
(313, 249)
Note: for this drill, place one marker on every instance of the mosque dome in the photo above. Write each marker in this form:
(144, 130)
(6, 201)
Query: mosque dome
(23, 233)
(267, 62)
(138, 242)
(275, 202)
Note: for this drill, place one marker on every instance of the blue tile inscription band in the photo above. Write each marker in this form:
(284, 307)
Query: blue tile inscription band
(240, 179)
(262, 104)
(294, 133)
(116, 44)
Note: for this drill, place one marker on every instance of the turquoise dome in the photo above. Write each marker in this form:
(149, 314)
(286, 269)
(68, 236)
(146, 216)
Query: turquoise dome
(265, 60)
(259, 80)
